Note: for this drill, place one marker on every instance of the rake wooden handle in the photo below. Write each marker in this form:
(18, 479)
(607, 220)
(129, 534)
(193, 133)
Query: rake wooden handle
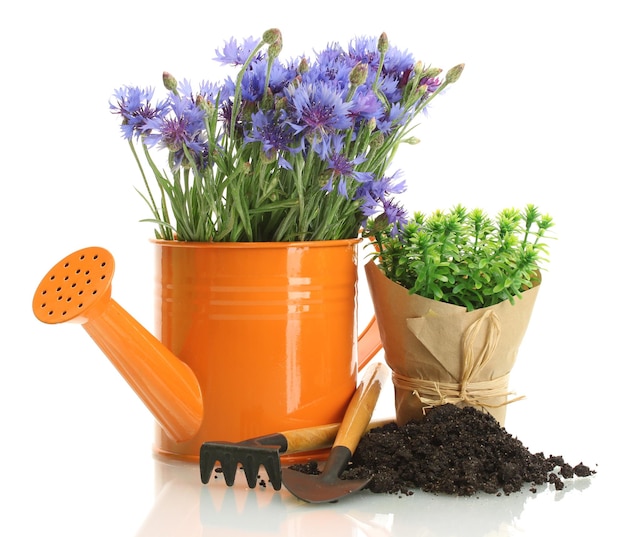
(361, 407)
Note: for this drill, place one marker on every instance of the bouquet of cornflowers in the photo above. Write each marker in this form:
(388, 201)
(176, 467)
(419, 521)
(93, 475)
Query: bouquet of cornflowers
(286, 151)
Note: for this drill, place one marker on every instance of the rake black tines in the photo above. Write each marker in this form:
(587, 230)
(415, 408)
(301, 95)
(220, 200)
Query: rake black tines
(251, 458)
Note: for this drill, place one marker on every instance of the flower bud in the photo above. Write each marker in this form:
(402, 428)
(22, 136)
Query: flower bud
(377, 140)
(169, 81)
(358, 75)
(204, 105)
(421, 90)
(269, 157)
(272, 35)
(303, 66)
(383, 43)
(378, 224)
(267, 102)
(454, 74)
(371, 124)
(431, 72)
(412, 140)
(280, 104)
(274, 49)
(324, 178)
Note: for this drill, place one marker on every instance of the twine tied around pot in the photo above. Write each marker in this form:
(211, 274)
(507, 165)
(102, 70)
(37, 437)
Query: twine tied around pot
(467, 390)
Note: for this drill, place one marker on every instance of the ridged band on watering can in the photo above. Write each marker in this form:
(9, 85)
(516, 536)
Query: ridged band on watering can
(269, 329)
(263, 379)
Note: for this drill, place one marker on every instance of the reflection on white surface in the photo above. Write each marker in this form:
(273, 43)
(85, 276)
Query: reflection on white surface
(184, 506)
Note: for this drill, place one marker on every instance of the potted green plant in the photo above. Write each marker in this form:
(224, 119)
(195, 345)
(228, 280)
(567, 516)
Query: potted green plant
(453, 293)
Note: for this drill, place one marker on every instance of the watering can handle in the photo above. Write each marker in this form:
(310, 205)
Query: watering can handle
(368, 343)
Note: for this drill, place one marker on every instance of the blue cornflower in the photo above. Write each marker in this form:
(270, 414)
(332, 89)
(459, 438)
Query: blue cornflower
(366, 105)
(331, 70)
(398, 64)
(397, 115)
(387, 208)
(344, 169)
(396, 69)
(318, 111)
(274, 134)
(281, 76)
(135, 107)
(253, 82)
(365, 50)
(395, 214)
(376, 197)
(432, 83)
(390, 87)
(332, 54)
(209, 91)
(234, 53)
(184, 127)
(392, 184)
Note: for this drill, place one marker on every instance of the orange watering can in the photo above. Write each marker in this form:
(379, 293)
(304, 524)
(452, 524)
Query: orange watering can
(200, 394)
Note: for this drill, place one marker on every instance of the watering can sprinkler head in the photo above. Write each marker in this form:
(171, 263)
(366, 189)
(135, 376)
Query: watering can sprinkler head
(78, 289)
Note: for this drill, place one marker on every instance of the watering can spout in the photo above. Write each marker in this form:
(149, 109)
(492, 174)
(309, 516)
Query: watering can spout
(78, 289)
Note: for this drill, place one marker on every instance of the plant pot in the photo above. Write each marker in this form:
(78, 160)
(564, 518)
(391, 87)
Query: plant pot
(269, 330)
(441, 353)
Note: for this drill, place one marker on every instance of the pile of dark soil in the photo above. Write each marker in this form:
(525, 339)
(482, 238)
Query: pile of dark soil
(458, 451)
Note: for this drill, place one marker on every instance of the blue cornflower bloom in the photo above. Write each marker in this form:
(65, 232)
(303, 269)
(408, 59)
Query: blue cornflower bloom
(389, 184)
(396, 215)
(281, 76)
(318, 112)
(234, 53)
(184, 127)
(135, 107)
(334, 72)
(344, 169)
(375, 195)
(432, 83)
(365, 50)
(332, 54)
(398, 65)
(253, 82)
(397, 115)
(209, 91)
(366, 105)
(274, 134)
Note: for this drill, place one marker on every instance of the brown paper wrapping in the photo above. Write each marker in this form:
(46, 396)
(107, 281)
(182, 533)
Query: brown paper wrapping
(441, 353)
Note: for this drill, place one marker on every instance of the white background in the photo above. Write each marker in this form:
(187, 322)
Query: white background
(538, 116)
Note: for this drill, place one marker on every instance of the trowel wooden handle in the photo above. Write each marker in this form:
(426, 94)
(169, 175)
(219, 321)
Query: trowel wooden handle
(320, 437)
(361, 407)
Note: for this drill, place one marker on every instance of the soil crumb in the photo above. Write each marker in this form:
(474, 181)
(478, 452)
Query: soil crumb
(457, 451)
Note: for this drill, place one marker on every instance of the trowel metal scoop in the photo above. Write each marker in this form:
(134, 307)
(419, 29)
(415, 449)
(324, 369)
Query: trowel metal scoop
(328, 486)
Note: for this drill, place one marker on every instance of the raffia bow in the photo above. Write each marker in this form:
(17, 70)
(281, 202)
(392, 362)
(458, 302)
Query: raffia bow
(476, 393)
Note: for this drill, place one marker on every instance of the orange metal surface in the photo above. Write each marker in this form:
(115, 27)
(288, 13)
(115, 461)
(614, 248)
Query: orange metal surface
(269, 329)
